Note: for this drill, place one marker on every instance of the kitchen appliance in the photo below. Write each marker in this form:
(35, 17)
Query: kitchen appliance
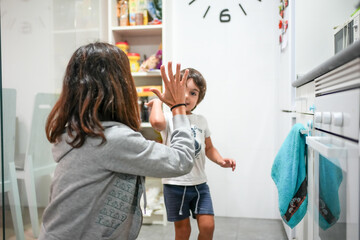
(333, 161)
(347, 33)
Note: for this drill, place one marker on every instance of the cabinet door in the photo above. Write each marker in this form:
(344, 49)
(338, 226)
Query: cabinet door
(75, 23)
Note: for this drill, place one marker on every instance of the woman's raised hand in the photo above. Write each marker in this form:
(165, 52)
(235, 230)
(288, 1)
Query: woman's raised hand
(174, 86)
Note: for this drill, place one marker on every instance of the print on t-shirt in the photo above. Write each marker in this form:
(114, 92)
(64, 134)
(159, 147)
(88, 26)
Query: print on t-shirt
(197, 145)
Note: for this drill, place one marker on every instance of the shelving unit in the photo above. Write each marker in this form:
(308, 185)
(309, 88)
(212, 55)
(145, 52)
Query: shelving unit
(145, 40)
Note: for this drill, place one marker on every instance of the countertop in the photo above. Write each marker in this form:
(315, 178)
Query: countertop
(342, 57)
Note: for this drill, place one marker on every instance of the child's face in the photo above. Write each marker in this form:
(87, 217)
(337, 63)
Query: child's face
(191, 95)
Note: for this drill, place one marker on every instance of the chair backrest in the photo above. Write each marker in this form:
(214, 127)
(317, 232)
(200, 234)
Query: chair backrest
(39, 147)
(9, 124)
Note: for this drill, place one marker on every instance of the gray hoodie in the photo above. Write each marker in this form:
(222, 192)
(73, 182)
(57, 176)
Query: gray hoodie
(96, 189)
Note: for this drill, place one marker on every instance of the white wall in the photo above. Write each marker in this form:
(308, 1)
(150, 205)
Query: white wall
(238, 61)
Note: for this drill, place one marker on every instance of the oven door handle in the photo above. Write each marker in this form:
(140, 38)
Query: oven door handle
(326, 150)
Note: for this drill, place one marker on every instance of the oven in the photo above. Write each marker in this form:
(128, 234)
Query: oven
(333, 156)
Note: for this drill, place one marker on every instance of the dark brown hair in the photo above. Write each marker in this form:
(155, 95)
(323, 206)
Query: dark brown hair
(199, 81)
(97, 86)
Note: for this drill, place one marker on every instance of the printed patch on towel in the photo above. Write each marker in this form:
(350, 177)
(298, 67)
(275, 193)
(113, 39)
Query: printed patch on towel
(296, 201)
(326, 213)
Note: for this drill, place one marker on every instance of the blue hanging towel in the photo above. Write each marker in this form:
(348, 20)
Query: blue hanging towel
(289, 174)
(330, 178)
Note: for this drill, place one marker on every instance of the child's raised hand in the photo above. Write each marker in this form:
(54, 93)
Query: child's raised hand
(174, 86)
(228, 163)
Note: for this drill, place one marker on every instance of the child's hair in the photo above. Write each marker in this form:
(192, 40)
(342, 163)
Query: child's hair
(198, 80)
(97, 86)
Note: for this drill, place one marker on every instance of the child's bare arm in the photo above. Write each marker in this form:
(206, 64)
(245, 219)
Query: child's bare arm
(157, 119)
(213, 154)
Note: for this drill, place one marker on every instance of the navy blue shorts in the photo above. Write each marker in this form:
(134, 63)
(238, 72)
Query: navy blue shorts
(180, 200)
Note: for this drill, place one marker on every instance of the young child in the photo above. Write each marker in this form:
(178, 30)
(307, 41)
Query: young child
(101, 156)
(190, 192)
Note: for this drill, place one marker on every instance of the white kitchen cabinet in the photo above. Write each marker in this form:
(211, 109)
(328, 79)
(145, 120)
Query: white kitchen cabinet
(145, 40)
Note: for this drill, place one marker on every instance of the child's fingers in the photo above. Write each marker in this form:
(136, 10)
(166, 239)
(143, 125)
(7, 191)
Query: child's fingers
(177, 76)
(164, 76)
(149, 104)
(171, 75)
(230, 163)
(183, 80)
(233, 165)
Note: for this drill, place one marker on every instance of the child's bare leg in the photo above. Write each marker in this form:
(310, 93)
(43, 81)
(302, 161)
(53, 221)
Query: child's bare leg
(182, 229)
(206, 226)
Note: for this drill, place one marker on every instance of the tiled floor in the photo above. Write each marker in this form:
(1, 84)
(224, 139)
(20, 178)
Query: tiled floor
(225, 229)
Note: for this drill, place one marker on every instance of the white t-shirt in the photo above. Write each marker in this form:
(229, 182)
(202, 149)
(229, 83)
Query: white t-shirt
(200, 131)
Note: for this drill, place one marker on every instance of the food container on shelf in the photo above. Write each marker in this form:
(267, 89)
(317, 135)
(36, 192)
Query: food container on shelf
(132, 12)
(123, 12)
(134, 59)
(123, 46)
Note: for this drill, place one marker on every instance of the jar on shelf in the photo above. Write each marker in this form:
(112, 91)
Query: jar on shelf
(139, 18)
(134, 59)
(124, 46)
(132, 11)
(123, 12)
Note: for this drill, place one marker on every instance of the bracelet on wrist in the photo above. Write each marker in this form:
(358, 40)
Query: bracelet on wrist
(177, 105)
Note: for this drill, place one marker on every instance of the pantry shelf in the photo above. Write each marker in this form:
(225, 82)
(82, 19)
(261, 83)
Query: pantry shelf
(146, 74)
(136, 31)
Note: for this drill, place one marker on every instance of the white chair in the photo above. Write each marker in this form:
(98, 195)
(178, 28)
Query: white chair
(10, 182)
(38, 157)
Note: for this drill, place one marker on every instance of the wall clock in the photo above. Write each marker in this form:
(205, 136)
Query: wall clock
(224, 14)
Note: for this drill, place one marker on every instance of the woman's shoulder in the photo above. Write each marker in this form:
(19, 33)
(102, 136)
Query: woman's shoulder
(116, 129)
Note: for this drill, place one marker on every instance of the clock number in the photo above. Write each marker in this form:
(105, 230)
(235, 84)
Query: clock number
(225, 16)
